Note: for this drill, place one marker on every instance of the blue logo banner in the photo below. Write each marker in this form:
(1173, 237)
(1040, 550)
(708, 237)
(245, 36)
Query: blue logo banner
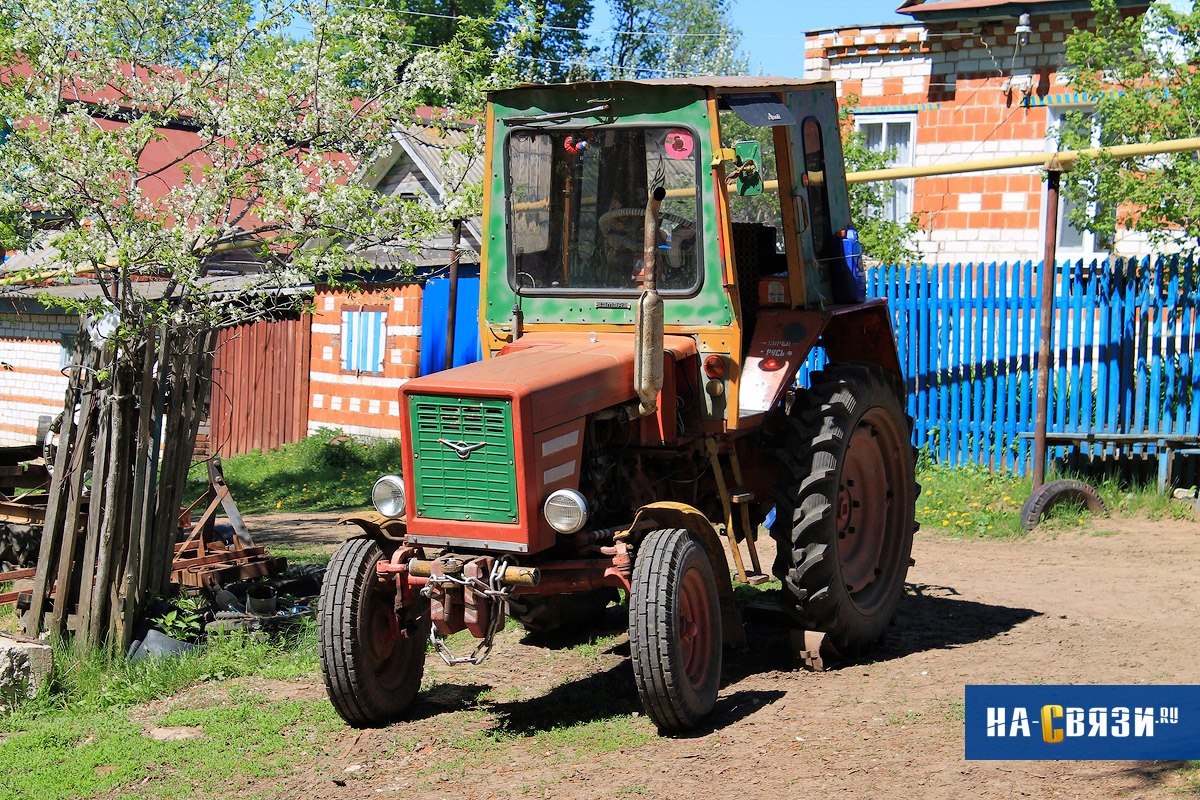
(1121, 723)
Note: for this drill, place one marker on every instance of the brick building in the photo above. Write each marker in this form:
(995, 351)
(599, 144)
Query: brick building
(967, 80)
(35, 346)
(367, 341)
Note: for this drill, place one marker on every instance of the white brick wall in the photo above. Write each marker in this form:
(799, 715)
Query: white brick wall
(31, 384)
(359, 431)
(357, 380)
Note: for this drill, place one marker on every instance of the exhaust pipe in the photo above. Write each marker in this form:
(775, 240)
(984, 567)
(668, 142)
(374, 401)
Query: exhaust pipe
(648, 358)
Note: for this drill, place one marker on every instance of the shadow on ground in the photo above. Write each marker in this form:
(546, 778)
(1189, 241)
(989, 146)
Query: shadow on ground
(937, 617)
(929, 618)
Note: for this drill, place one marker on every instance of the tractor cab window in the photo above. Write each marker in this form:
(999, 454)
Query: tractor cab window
(577, 208)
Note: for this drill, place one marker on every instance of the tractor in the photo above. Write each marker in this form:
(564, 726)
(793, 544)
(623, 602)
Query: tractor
(660, 260)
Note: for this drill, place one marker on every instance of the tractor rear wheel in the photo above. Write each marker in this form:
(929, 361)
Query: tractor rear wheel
(845, 508)
(675, 629)
(551, 613)
(371, 658)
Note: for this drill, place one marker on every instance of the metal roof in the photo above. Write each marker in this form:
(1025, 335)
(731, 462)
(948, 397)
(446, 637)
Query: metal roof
(946, 10)
(438, 149)
(723, 84)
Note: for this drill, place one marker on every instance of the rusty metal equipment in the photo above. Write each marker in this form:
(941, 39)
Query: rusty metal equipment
(202, 559)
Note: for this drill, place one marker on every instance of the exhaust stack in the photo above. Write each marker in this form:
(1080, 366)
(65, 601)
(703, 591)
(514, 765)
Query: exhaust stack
(648, 358)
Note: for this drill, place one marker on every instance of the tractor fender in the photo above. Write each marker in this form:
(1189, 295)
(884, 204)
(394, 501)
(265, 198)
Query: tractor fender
(376, 526)
(667, 514)
(783, 339)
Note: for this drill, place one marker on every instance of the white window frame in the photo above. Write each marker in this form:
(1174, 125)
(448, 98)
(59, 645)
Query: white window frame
(363, 340)
(1088, 249)
(900, 207)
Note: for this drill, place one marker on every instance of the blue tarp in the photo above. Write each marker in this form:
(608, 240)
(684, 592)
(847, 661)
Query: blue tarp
(434, 305)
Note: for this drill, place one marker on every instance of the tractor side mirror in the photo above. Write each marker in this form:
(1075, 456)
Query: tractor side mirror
(748, 159)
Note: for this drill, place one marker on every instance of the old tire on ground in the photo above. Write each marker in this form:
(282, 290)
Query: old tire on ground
(551, 613)
(845, 513)
(675, 629)
(372, 664)
(1051, 494)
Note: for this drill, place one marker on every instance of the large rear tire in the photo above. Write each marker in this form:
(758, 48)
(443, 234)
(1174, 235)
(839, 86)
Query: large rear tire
(554, 613)
(675, 629)
(845, 509)
(371, 659)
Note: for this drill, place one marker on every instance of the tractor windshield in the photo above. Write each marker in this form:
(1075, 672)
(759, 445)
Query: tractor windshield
(577, 204)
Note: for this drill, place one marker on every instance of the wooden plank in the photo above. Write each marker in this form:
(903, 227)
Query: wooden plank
(952, 303)
(928, 385)
(50, 547)
(82, 605)
(980, 430)
(991, 412)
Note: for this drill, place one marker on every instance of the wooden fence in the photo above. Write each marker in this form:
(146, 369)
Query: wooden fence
(260, 382)
(1125, 346)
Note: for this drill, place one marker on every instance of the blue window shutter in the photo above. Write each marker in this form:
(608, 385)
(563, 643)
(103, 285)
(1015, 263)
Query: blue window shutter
(364, 336)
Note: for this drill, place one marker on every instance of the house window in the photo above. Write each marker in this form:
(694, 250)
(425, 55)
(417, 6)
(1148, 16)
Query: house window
(66, 353)
(1073, 242)
(364, 339)
(892, 133)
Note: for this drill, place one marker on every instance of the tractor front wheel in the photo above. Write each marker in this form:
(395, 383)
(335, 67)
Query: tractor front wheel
(372, 658)
(675, 629)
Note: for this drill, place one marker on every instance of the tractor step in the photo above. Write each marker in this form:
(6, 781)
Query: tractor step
(813, 650)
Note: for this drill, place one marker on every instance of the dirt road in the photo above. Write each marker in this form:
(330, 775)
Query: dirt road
(1115, 602)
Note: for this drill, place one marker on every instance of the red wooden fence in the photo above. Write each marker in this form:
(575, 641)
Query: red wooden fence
(260, 386)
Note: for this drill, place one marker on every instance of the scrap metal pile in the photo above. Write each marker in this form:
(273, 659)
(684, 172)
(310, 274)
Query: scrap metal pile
(207, 556)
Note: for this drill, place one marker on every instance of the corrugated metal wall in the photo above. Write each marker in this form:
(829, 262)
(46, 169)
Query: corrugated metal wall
(260, 386)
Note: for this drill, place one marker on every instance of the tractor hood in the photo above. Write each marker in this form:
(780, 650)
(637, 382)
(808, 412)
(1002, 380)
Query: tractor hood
(562, 376)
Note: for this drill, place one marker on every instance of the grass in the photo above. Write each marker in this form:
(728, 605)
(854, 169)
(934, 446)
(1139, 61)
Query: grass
(974, 502)
(82, 736)
(324, 472)
(971, 502)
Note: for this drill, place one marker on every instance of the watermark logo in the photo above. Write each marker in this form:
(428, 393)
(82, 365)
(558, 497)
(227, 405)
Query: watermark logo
(1083, 722)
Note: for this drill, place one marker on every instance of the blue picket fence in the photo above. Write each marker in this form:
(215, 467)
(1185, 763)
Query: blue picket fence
(1126, 352)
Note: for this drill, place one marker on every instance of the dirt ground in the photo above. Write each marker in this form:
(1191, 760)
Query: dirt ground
(1114, 602)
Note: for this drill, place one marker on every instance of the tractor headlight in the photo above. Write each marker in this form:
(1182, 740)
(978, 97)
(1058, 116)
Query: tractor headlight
(387, 495)
(566, 510)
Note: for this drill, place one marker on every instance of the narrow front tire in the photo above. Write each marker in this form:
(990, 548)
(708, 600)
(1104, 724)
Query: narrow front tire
(675, 629)
(372, 659)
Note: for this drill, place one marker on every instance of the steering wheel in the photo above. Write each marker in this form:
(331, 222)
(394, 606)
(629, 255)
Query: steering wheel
(684, 228)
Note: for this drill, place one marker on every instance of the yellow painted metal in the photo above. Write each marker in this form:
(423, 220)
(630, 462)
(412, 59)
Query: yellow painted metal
(729, 272)
(789, 209)
(748, 531)
(486, 336)
(1061, 161)
(727, 505)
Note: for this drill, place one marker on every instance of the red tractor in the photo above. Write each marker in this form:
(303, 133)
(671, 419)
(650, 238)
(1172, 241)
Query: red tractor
(646, 310)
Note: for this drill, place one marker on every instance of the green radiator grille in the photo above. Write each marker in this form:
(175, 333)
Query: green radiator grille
(463, 458)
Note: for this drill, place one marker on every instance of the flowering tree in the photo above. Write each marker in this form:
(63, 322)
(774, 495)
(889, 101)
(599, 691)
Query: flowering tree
(145, 142)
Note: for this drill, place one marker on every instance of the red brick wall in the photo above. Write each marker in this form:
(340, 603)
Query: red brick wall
(363, 404)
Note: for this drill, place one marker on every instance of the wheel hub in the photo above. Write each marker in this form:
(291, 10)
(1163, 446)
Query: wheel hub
(384, 630)
(694, 628)
(862, 510)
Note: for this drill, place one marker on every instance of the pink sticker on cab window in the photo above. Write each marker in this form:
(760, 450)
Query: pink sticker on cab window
(679, 145)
